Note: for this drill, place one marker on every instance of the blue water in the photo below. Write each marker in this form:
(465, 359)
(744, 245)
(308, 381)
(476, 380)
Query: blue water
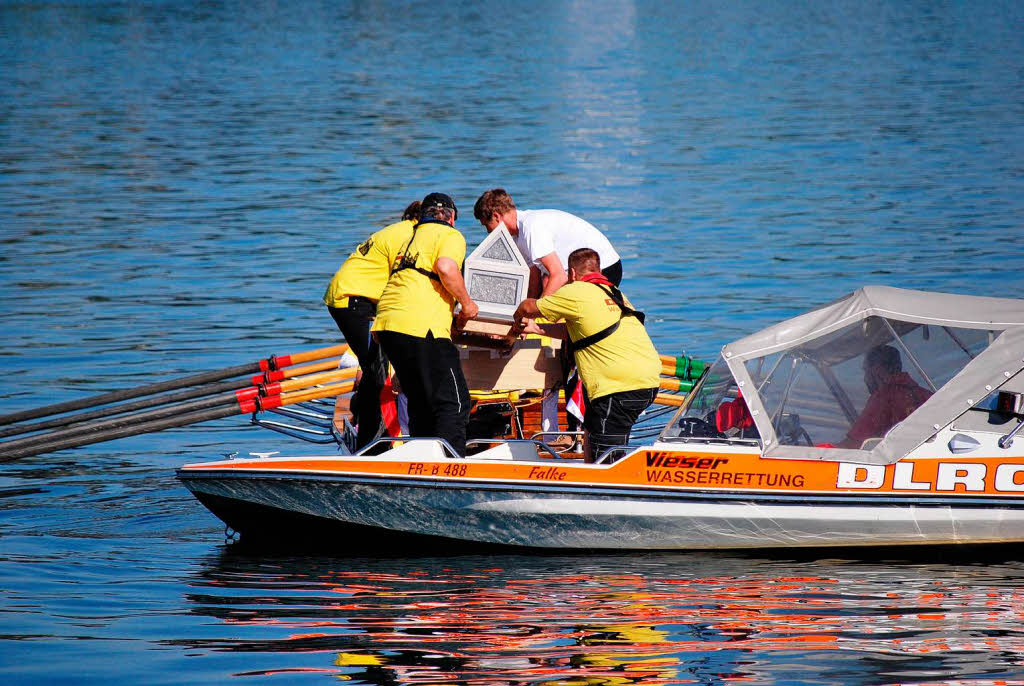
(178, 181)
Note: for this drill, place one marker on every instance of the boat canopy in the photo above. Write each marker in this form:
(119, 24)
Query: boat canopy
(802, 386)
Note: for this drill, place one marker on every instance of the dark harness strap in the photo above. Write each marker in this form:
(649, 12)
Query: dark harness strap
(616, 295)
(410, 263)
(421, 270)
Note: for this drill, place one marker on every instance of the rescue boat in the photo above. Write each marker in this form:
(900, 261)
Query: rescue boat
(757, 455)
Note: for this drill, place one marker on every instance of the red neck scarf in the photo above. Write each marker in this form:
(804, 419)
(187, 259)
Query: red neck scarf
(598, 278)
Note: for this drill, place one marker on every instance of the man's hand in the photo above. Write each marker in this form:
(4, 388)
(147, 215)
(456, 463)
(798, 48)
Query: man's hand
(530, 326)
(469, 311)
(526, 310)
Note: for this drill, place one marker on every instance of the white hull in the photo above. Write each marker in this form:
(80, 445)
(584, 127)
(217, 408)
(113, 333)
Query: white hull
(589, 519)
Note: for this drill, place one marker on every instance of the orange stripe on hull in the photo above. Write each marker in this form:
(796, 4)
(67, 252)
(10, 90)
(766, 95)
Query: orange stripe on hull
(681, 470)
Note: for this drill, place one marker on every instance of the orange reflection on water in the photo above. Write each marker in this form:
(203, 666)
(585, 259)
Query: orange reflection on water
(543, 624)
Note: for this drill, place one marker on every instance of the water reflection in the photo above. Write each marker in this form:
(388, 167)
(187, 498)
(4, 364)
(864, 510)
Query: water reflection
(669, 618)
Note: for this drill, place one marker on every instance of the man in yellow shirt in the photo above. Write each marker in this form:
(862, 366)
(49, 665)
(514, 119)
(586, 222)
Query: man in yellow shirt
(616, 359)
(414, 323)
(351, 299)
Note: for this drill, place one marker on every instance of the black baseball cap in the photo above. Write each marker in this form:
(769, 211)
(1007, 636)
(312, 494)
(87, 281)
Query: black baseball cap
(434, 200)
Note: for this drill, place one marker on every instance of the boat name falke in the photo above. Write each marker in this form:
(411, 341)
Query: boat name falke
(549, 473)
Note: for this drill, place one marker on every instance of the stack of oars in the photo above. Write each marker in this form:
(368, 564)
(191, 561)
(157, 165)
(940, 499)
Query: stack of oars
(177, 402)
(274, 382)
(683, 373)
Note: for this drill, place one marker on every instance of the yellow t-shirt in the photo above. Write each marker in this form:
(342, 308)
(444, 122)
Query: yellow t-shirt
(625, 360)
(413, 303)
(366, 271)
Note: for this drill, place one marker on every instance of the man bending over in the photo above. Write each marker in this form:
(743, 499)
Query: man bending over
(616, 359)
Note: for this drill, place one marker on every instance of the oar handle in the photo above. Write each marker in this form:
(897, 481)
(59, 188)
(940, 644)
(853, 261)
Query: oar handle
(291, 372)
(676, 385)
(309, 380)
(272, 401)
(682, 366)
(299, 358)
(669, 399)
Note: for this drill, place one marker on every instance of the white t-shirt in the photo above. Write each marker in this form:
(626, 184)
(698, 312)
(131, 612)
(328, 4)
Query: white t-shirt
(542, 232)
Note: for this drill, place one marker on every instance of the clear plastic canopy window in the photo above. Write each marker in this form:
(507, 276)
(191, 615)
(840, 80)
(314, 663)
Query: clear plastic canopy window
(866, 378)
(705, 411)
(814, 393)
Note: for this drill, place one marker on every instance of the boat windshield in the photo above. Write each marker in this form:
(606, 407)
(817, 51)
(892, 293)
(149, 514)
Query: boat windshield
(714, 409)
(848, 388)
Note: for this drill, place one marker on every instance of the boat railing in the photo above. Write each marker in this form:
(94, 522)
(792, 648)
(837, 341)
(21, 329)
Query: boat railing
(319, 425)
(1006, 441)
(445, 445)
(540, 445)
(620, 450)
(577, 436)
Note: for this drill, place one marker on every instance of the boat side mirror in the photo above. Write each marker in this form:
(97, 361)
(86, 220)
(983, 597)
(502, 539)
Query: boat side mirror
(1010, 403)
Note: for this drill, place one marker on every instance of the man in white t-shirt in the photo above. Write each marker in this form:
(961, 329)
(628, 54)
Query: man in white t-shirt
(546, 238)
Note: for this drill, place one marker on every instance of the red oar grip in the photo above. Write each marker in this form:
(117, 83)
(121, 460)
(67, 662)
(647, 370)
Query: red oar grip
(269, 402)
(275, 362)
(268, 376)
(270, 389)
(246, 394)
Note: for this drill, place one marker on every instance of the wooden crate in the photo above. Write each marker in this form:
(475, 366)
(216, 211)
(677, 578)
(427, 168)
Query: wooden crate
(529, 365)
(485, 327)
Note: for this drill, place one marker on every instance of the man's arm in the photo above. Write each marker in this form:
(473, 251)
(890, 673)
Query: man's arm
(527, 310)
(522, 322)
(867, 424)
(556, 274)
(451, 278)
(536, 283)
(559, 331)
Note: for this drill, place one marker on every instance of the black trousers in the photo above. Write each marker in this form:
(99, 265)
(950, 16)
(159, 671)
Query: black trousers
(354, 322)
(610, 418)
(431, 377)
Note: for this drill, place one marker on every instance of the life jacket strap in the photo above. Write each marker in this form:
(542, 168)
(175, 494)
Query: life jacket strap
(410, 263)
(421, 270)
(625, 311)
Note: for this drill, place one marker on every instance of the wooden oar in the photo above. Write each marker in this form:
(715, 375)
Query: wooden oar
(238, 397)
(185, 419)
(676, 385)
(272, 363)
(669, 399)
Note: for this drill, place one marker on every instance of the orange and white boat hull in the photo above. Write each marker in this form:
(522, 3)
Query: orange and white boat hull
(667, 496)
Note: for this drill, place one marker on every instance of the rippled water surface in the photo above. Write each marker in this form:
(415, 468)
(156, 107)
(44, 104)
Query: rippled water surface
(178, 181)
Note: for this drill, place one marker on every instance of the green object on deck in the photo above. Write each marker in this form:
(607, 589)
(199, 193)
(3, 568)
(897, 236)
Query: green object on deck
(689, 368)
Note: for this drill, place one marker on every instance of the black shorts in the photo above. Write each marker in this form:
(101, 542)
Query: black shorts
(610, 418)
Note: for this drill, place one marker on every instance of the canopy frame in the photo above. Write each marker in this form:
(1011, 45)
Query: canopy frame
(987, 371)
